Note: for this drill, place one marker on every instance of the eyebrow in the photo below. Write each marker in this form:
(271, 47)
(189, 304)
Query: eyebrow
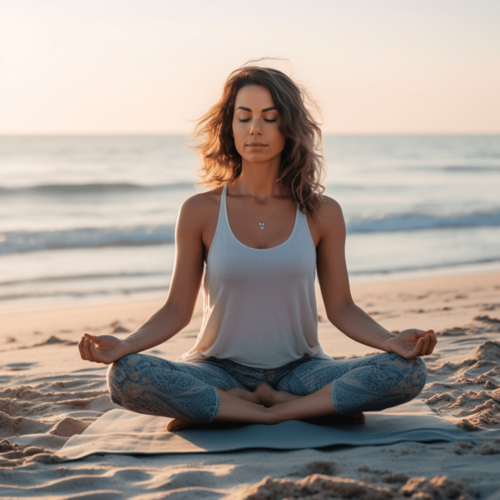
(263, 111)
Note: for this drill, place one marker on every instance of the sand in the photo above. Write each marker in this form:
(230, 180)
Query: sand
(48, 394)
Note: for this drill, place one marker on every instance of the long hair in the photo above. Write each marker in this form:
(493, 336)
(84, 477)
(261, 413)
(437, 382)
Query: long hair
(302, 166)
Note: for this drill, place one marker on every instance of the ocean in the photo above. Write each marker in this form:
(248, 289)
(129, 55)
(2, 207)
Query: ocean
(87, 219)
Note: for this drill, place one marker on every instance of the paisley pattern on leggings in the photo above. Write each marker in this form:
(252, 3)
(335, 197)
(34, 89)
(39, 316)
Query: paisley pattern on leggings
(372, 383)
(154, 386)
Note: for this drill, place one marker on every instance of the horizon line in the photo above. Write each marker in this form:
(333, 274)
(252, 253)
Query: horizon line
(160, 134)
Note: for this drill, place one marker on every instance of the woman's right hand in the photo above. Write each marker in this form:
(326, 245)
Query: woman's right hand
(102, 348)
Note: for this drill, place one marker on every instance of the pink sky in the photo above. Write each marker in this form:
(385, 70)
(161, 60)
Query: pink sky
(154, 66)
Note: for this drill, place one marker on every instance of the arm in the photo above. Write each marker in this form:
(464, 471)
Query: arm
(340, 307)
(178, 309)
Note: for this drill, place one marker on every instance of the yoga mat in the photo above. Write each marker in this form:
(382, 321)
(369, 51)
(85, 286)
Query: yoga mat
(124, 432)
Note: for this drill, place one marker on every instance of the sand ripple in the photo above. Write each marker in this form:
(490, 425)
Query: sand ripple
(472, 400)
(50, 413)
(319, 487)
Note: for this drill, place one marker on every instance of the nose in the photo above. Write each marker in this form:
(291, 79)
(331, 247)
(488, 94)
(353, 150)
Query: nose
(255, 127)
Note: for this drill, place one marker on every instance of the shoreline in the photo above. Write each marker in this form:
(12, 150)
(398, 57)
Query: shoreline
(395, 304)
(27, 306)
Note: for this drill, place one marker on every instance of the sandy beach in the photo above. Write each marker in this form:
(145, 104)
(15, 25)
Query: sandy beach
(48, 394)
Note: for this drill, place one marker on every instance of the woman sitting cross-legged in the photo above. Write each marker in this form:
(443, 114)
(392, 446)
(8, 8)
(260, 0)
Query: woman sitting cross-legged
(257, 237)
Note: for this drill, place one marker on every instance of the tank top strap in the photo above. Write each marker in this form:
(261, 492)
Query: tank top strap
(303, 231)
(223, 207)
(222, 221)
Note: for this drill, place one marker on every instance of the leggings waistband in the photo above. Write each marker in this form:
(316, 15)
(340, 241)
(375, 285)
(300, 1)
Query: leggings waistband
(228, 362)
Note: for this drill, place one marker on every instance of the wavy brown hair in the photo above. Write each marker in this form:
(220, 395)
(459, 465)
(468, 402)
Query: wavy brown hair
(302, 166)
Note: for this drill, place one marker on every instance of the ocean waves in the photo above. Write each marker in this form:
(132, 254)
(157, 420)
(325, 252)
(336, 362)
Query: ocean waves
(79, 277)
(140, 235)
(57, 294)
(91, 188)
(416, 221)
(422, 267)
(30, 241)
(85, 216)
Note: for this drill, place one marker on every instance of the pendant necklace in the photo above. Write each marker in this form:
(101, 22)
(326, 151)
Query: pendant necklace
(262, 225)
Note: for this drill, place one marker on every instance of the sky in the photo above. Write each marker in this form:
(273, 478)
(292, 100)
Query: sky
(155, 66)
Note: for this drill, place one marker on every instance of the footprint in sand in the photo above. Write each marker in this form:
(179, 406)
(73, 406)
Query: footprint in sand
(14, 367)
(487, 319)
(467, 408)
(13, 454)
(488, 307)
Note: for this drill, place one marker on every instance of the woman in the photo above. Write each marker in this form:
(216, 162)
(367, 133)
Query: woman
(263, 230)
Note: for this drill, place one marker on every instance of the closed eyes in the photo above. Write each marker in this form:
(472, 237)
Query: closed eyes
(248, 119)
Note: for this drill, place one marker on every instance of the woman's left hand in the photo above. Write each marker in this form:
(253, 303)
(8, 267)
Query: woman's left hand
(411, 343)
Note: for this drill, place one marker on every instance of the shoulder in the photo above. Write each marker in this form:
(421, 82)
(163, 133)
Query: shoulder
(327, 218)
(327, 221)
(199, 203)
(328, 207)
(200, 208)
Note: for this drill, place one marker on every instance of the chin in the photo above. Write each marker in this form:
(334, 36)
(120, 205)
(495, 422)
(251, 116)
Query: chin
(257, 158)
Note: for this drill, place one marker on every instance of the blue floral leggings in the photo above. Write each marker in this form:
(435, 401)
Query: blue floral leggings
(151, 385)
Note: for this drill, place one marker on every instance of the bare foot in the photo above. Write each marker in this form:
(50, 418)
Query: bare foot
(176, 424)
(263, 394)
(269, 397)
(253, 397)
(357, 418)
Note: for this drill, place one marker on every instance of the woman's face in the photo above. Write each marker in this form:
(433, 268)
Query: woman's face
(256, 125)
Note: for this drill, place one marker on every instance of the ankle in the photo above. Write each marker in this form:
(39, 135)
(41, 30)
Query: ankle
(265, 394)
(274, 416)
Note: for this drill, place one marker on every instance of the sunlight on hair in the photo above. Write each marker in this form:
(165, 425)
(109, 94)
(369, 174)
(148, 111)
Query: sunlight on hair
(302, 167)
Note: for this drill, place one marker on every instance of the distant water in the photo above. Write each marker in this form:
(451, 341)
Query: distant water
(93, 217)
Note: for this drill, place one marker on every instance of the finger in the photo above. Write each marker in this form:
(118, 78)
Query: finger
(415, 350)
(96, 355)
(424, 346)
(80, 347)
(432, 344)
(422, 333)
(86, 348)
(429, 343)
(92, 338)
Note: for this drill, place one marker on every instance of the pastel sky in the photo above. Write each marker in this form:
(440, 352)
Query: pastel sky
(155, 66)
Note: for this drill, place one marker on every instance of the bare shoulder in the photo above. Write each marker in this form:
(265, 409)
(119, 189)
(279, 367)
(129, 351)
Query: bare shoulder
(199, 203)
(329, 208)
(200, 209)
(328, 219)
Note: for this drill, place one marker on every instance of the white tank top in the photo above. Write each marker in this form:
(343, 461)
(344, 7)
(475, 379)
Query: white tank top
(259, 305)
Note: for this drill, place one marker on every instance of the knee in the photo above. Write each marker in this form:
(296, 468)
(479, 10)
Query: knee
(419, 374)
(408, 375)
(121, 372)
(122, 368)
(414, 379)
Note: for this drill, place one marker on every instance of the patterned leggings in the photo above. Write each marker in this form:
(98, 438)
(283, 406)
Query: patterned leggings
(151, 385)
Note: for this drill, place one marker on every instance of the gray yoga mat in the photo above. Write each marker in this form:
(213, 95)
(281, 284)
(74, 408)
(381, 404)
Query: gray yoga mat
(124, 432)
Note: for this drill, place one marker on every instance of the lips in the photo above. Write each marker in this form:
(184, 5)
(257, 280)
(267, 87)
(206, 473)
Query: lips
(256, 144)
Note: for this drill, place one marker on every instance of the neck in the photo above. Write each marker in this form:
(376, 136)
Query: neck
(259, 179)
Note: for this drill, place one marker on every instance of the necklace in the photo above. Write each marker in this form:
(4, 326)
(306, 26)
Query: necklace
(262, 225)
